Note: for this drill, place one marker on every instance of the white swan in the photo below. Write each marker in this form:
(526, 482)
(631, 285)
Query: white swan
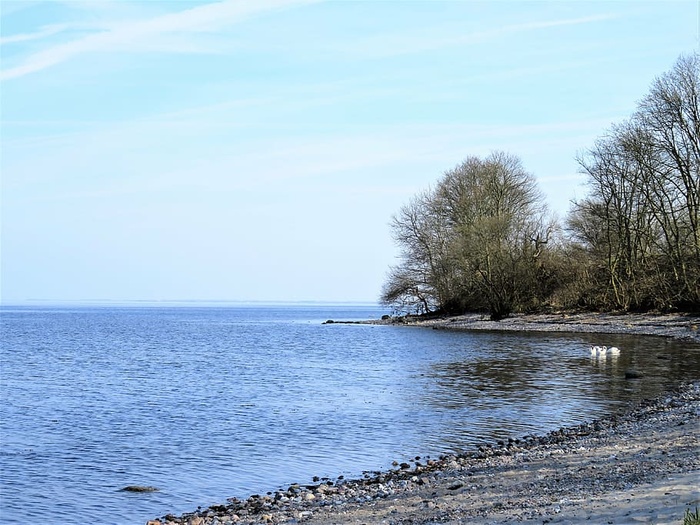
(599, 351)
(614, 351)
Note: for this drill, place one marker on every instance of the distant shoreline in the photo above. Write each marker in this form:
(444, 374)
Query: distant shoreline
(684, 327)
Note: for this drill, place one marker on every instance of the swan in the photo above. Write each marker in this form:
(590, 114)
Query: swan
(614, 350)
(599, 351)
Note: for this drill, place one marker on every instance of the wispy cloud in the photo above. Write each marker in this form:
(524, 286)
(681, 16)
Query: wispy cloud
(136, 36)
(432, 39)
(10, 7)
(37, 35)
(300, 160)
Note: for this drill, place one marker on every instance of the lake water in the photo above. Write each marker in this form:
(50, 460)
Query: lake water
(207, 403)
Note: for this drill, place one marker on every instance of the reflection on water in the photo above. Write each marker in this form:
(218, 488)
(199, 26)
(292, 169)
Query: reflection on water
(208, 403)
(510, 384)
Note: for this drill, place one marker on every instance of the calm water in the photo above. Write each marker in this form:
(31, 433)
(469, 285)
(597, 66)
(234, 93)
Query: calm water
(211, 402)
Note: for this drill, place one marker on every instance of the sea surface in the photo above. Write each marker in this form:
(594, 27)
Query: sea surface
(211, 402)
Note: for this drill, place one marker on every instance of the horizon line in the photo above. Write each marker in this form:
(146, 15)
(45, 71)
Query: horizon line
(183, 302)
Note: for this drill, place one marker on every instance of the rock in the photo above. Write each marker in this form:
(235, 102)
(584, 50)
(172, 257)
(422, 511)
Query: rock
(326, 489)
(138, 488)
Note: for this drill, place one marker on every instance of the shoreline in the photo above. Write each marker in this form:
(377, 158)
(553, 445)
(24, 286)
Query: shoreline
(683, 327)
(640, 466)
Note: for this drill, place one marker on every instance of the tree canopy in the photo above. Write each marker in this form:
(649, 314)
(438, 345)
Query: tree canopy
(472, 242)
(482, 240)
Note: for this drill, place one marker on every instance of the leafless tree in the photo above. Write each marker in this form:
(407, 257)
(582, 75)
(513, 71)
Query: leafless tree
(473, 242)
(640, 221)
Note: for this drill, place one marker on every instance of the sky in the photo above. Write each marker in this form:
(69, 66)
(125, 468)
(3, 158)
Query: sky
(257, 150)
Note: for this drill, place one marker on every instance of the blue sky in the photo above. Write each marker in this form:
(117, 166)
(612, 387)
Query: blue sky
(240, 150)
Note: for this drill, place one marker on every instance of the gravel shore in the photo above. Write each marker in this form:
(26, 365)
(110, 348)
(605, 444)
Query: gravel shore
(683, 327)
(642, 466)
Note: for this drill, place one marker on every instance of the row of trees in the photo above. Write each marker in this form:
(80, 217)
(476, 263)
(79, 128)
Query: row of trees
(481, 239)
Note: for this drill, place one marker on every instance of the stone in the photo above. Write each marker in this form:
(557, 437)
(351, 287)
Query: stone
(138, 488)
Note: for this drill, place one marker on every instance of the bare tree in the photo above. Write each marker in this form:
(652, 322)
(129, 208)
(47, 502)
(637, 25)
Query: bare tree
(640, 220)
(473, 242)
(422, 281)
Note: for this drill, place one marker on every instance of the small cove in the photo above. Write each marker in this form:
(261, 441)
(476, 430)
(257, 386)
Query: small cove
(211, 402)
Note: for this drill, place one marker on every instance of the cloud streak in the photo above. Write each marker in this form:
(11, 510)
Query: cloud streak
(37, 35)
(383, 46)
(140, 35)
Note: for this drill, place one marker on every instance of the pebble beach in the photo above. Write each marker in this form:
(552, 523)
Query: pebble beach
(638, 466)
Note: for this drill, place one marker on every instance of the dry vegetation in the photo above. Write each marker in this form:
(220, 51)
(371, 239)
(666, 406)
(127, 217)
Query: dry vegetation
(481, 239)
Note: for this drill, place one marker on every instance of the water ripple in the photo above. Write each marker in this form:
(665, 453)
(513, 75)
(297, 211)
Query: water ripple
(208, 403)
